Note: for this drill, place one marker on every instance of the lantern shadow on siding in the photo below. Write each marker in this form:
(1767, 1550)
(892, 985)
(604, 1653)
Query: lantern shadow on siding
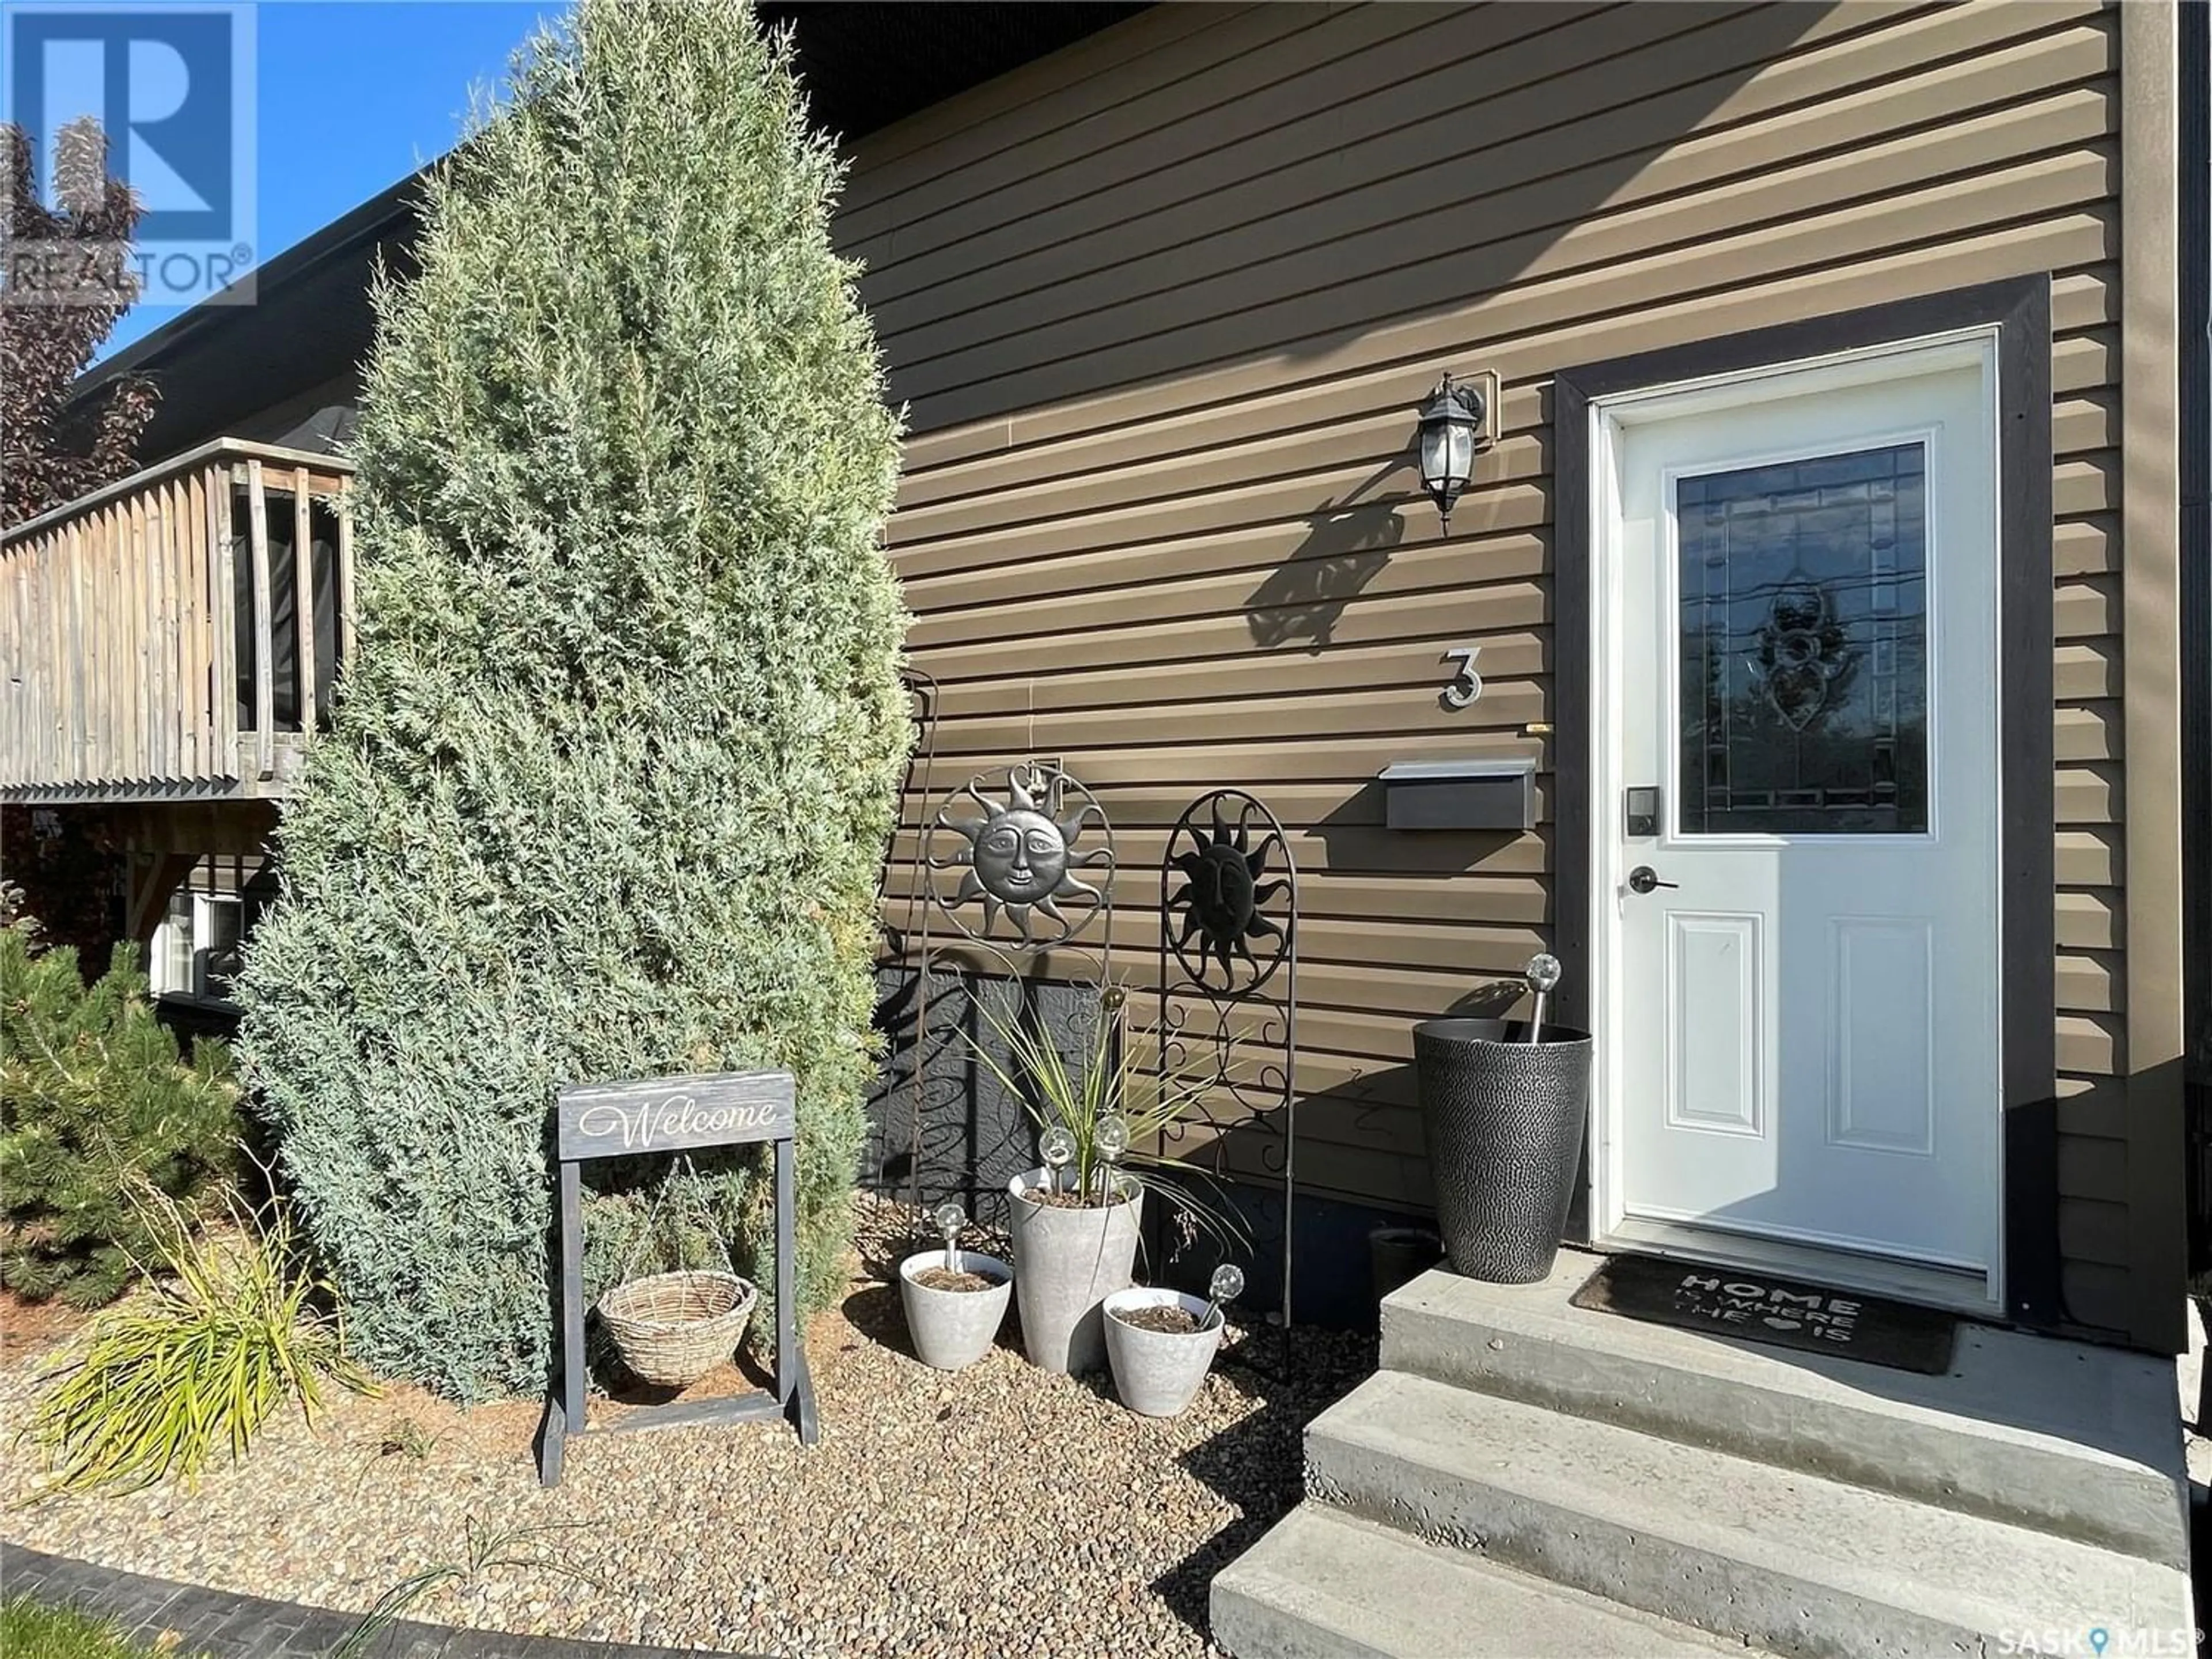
(1346, 546)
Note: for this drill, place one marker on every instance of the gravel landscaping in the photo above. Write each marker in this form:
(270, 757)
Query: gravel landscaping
(997, 1510)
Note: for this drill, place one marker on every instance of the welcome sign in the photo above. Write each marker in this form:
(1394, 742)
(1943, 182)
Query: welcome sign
(647, 1115)
(675, 1114)
(1788, 1312)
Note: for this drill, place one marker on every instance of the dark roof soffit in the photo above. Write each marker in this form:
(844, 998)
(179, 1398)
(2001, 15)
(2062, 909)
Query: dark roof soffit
(865, 64)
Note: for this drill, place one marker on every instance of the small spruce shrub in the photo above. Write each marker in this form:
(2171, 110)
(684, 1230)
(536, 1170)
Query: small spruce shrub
(612, 769)
(95, 1099)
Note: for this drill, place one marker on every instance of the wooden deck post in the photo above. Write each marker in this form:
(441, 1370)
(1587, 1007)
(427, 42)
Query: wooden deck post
(223, 594)
(192, 507)
(264, 631)
(345, 606)
(174, 541)
(69, 659)
(303, 601)
(157, 684)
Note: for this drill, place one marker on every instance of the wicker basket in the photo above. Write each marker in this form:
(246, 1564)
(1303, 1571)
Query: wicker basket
(672, 1328)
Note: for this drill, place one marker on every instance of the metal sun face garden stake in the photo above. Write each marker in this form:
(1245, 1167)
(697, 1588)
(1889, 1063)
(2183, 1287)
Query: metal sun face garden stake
(1227, 1008)
(1019, 852)
(1542, 973)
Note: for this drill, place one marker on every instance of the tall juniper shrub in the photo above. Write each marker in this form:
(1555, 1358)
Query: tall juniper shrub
(611, 774)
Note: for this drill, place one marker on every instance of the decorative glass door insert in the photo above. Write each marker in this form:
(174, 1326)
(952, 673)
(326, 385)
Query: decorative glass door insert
(1803, 666)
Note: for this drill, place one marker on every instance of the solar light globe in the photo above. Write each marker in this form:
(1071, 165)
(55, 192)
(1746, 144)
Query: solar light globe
(1057, 1147)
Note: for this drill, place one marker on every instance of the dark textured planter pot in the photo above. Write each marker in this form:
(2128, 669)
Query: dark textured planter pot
(1399, 1256)
(1505, 1120)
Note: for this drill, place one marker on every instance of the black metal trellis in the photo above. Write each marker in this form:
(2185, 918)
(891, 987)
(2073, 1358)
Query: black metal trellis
(1229, 987)
(1017, 861)
(922, 688)
(1020, 861)
(922, 691)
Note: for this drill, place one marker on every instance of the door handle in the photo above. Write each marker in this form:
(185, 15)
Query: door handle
(1643, 879)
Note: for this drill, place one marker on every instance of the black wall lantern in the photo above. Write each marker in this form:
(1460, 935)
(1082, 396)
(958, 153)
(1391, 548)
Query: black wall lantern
(1453, 423)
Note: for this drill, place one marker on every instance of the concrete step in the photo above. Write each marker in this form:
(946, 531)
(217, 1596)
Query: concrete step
(1323, 1584)
(2082, 1442)
(1780, 1558)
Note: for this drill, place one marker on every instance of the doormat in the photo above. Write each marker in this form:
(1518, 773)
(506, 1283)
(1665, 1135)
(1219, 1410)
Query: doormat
(1786, 1312)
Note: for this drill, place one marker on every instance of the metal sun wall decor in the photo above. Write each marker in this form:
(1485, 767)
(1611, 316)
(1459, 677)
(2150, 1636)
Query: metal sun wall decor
(1020, 853)
(1229, 985)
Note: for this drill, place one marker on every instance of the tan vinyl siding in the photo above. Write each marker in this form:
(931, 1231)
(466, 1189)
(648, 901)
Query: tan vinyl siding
(1161, 305)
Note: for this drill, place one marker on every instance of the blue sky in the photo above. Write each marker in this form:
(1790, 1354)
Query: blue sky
(352, 96)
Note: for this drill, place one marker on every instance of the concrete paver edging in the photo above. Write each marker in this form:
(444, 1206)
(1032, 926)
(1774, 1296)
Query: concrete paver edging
(227, 1627)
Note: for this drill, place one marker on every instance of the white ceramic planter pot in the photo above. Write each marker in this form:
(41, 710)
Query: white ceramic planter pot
(953, 1328)
(1067, 1263)
(1157, 1373)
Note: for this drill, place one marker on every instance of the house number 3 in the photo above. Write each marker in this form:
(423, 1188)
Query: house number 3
(1466, 685)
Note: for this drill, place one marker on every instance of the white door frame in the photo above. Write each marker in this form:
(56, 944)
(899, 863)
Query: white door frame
(1608, 416)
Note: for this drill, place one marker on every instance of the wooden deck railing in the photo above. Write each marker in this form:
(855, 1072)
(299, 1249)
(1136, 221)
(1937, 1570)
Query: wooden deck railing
(178, 634)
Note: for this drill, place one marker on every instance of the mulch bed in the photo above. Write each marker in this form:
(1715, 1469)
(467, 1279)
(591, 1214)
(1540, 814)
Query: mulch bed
(32, 1326)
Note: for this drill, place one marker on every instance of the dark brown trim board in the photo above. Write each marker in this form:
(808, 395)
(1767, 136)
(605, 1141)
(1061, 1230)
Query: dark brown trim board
(2021, 310)
(2150, 690)
(2194, 189)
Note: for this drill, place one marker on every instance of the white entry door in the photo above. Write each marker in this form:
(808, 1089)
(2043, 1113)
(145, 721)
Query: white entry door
(1797, 820)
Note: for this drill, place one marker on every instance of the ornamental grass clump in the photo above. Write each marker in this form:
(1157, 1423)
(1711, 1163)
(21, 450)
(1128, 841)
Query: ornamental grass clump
(614, 763)
(484, 1549)
(233, 1325)
(1112, 1112)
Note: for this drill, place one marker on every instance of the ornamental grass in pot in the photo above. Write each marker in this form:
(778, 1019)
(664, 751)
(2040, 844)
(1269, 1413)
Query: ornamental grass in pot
(1075, 1219)
(955, 1299)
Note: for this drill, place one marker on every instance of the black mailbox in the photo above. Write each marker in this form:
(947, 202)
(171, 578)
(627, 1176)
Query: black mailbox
(1499, 792)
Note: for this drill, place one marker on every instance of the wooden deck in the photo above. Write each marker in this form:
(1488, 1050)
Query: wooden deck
(164, 639)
